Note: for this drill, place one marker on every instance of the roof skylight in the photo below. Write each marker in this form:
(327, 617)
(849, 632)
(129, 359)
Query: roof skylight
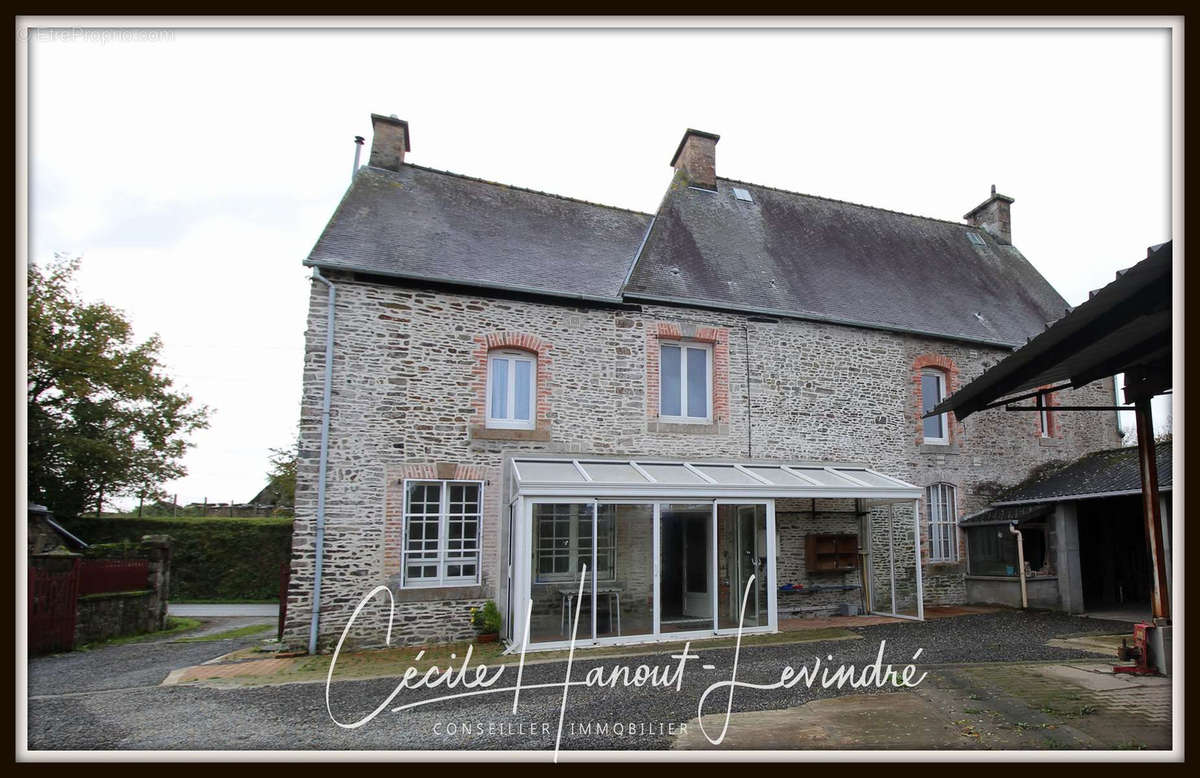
(742, 194)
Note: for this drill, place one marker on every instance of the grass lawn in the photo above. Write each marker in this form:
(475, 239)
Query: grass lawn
(252, 629)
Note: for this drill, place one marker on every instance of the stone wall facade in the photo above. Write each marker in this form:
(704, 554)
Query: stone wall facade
(406, 394)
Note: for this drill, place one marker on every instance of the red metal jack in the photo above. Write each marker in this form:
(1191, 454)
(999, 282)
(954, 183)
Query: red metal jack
(1139, 652)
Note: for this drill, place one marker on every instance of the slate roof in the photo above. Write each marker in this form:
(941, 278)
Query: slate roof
(783, 254)
(426, 224)
(1114, 471)
(789, 253)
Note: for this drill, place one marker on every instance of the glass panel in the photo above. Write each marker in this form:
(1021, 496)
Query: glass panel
(992, 550)
(560, 472)
(778, 476)
(870, 478)
(697, 383)
(724, 474)
(685, 563)
(904, 550)
(742, 565)
(562, 545)
(499, 388)
(669, 383)
(824, 477)
(462, 530)
(881, 559)
(625, 599)
(422, 512)
(613, 472)
(671, 474)
(523, 376)
(931, 395)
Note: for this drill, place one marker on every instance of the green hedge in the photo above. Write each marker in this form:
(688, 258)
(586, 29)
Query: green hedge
(211, 558)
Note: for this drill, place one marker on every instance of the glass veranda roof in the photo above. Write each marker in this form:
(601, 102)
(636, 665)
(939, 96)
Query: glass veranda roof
(652, 477)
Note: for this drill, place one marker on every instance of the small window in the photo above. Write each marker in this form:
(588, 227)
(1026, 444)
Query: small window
(933, 390)
(512, 387)
(976, 238)
(441, 533)
(685, 382)
(943, 522)
(742, 194)
(1045, 417)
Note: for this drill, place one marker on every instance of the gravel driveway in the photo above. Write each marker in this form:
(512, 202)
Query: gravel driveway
(70, 709)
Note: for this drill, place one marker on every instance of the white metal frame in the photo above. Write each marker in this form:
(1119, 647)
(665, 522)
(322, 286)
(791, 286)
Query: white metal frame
(951, 521)
(944, 418)
(443, 536)
(508, 421)
(683, 346)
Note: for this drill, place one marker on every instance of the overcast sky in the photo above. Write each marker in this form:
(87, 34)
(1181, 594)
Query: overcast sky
(193, 170)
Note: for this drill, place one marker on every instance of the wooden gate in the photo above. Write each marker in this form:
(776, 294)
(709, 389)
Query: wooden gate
(285, 575)
(52, 595)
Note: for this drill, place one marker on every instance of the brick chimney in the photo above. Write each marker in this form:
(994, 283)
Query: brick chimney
(388, 142)
(992, 215)
(696, 158)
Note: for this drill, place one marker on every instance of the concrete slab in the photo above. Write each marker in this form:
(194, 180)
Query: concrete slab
(204, 609)
(1088, 679)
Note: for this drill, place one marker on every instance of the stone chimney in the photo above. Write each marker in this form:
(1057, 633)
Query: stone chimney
(992, 215)
(696, 158)
(388, 142)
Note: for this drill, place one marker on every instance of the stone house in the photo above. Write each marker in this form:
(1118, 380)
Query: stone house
(700, 416)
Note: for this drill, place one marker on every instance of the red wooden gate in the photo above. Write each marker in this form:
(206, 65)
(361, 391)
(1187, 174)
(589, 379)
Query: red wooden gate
(285, 575)
(52, 595)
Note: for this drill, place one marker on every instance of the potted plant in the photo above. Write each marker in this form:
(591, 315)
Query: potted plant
(486, 621)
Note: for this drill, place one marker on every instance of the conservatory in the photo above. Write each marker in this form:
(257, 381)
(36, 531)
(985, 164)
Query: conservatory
(627, 550)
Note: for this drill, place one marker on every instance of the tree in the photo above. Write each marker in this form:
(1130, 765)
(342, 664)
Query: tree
(103, 419)
(282, 475)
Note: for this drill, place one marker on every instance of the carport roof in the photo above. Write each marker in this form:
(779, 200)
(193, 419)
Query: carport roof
(656, 477)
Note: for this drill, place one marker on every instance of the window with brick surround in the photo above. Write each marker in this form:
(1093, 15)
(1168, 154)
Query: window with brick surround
(1046, 420)
(685, 382)
(511, 389)
(935, 429)
(441, 533)
(942, 504)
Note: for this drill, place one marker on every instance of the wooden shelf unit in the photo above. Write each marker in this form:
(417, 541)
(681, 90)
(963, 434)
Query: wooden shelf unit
(827, 553)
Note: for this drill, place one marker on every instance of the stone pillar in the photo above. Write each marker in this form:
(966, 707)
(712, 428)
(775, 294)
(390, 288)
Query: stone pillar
(1066, 562)
(157, 548)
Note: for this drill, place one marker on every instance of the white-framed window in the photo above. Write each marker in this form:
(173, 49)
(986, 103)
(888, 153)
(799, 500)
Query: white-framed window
(685, 382)
(941, 501)
(935, 429)
(441, 533)
(511, 390)
(1043, 404)
(562, 535)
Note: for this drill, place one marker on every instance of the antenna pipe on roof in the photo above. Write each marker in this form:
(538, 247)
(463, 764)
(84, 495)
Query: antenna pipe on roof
(358, 144)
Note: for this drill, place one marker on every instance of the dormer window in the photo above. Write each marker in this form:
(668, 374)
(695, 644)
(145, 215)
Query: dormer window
(935, 429)
(511, 390)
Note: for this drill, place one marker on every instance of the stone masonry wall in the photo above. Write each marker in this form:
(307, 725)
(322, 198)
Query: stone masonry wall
(405, 385)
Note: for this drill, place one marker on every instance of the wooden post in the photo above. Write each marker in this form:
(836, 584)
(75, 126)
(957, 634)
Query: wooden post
(1150, 507)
